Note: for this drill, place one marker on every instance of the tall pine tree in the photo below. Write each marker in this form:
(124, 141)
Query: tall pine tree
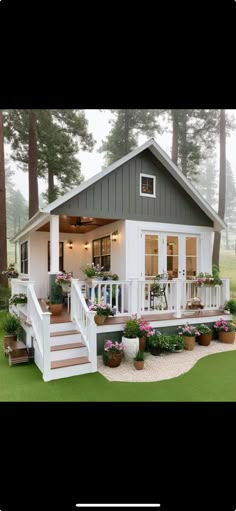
(3, 220)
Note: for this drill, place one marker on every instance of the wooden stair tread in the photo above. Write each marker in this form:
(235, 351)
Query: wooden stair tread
(65, 332)
(56, 364)
(59, 347)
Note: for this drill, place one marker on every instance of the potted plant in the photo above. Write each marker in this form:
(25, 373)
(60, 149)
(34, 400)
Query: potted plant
(171, 343)
(139, 360)
(205, 336)
(113, 353)
(10, 325)
(130, 338)
(230, 307)
(154, 343)
(188, 334)
(145, 330)
(102, 312)
(18, 299)
(64, 280)
(226, 331)
(56, 299)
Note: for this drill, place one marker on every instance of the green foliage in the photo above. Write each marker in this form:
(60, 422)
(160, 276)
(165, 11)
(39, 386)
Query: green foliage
(139, 357)
(5, 294)
(56, 295)
(167, 343)
(18, 298)
(131, 329)
(230, 306)
(204, 329)
(126, 126)
(11, 324)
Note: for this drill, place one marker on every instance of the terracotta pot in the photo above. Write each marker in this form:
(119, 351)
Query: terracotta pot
(99, 319)
(205, 339)
(142, 343)
(189, 342)
(226, 337)
(114, 359)
(139, 364)
(55, 308)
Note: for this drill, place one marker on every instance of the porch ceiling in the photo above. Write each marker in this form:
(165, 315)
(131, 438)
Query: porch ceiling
(66, 224)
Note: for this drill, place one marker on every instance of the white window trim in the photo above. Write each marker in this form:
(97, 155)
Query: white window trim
(154, 186)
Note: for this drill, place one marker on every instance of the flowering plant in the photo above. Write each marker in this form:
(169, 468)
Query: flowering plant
(10, 273)
(113, 347)
(204, 329)
(208, 280)
(188, 330)
(63, 278)
(224, 326)
(145, 329)
(91, 270)
(102, 309)
(20, 298)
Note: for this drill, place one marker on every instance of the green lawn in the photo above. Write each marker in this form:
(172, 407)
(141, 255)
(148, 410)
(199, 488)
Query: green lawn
(211, 379)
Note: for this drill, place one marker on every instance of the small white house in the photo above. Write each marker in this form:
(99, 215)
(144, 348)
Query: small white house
(138, 218)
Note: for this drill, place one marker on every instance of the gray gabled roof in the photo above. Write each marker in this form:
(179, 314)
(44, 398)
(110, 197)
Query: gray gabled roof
(168, 164)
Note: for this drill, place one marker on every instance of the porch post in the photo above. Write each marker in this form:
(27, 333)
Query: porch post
(178, 297)
(54, 243)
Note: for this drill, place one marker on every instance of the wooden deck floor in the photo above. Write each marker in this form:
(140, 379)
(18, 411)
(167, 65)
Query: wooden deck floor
(64, 317)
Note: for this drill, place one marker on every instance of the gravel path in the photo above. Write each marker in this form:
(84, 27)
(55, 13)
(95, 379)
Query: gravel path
(163, 367)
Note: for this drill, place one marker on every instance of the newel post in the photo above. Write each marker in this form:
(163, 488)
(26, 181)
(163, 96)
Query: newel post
(46, 346)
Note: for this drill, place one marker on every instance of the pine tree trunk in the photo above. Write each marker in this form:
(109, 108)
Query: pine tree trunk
(184, 145)
(51, 189)
(3, 220)
(33, 166)
(175, 136)
(222, 187)
(126, 131)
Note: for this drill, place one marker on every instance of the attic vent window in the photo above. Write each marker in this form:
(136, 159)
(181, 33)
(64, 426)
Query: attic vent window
(147, 185)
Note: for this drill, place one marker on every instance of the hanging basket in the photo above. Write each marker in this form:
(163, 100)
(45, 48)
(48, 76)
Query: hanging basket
(99, 319)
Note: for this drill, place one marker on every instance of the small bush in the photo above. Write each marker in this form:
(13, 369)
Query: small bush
(11, 324)
(5, 294)
(139, 357)
(230, 306)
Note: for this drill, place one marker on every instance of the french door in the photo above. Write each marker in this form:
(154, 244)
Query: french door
(176, 254)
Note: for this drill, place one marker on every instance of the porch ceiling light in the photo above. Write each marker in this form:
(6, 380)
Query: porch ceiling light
(114, 236)
(86, 245)
(70, 244)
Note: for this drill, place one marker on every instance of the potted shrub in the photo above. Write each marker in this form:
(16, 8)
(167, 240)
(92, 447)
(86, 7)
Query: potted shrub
(139, 360)
(205, 336)
(155, 343)
(113, 353)
(102, 312)
(130, 338)
(10, 325)
(230, 307)
(226, 331)
(56, 299)
(188, 334)
(171, 343)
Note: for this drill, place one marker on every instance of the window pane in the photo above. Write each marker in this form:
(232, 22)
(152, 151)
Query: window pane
(151, 266)
(151, 244)
(147, 185)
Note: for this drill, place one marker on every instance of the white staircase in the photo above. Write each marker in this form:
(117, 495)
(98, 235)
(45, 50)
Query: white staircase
(68, 355)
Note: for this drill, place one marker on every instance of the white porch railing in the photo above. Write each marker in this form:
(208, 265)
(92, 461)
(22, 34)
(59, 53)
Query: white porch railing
(136, 296)
(84, 319)
(40, 322)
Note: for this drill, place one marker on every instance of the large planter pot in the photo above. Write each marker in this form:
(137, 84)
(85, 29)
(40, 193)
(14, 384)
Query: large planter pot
(131, 346)
(139, 364)
(205, 339)
(226, 337)
(113, 359)
(142, 343)
(55, 308)
(99, 319)
(189, 342)
(155, 350)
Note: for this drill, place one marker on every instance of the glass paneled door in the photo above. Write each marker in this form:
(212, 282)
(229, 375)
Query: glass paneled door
(151, 255)
(182, 256)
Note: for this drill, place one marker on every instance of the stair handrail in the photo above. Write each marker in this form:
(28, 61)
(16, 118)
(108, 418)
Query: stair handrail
(84, 319)
(41, 328)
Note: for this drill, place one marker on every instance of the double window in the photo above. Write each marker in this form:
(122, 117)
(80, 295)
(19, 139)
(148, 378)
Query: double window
(24, 258)
(102, 252)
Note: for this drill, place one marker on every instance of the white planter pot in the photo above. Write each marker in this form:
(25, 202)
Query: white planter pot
(131, 346)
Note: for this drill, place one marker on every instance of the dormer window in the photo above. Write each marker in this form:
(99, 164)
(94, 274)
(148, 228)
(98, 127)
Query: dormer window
(147, 185)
